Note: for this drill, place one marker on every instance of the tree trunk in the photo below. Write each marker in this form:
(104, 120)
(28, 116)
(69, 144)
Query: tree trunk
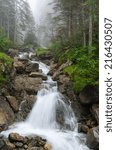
(84, 39)
(15, 25)
(0, 26)
(8, 27)
(83, 25)
(69, 27)
(90, 27)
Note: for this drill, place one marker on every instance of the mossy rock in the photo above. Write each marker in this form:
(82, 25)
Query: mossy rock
(5, 67)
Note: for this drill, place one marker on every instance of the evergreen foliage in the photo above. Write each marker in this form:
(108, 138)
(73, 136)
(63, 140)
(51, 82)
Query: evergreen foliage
(77, 40)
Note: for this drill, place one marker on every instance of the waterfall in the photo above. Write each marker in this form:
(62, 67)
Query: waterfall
(51, 118)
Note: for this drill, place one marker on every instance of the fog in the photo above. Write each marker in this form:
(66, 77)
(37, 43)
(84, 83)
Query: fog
(40, 9)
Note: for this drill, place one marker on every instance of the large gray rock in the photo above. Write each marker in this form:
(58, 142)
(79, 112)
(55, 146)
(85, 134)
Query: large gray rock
(53, 68)
(1, 144)
(26, 106)
(63, 82)
(23, 66)
(6, 113)
(89, 95)
(29, 84)
(60, 70)
(38, 74)
(13, 103)
(95, 112)
(83, 128)
(32, 67)
(15, 137)
(13, 52)
(93, 138)
(63, 79)
(18, 66)
(8, 145)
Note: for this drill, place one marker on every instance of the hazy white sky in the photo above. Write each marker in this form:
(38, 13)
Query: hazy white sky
(39, 8)
(32, 3)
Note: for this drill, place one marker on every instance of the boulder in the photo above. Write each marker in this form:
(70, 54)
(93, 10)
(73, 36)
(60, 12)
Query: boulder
(60, 70)
(95, 112)
(91, 122)
(13, 52)
(56, 74)
(36, 142)
(1, 144)
(53, 65)
(13, 103)
(46, 57)
(29, 84)
(6, 113)
(89, 95)
(9, 145)
(47, 146)
(19, 66)
(50, 73)
(63, 83)
(15, 137)
(83, 128)
(22, 66)
(31, 67)
(53, 68)
(38, 74)
(62, 88)
(63, 79)
(93, 138)
(26, 106)
(18, 144)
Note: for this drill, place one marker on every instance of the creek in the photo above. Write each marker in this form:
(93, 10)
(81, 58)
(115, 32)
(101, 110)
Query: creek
(51, 118)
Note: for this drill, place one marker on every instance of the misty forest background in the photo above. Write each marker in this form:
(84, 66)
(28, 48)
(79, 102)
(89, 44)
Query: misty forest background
(70, 33)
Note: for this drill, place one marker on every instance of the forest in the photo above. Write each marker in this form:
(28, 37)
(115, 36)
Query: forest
(73, 32)
(66, 38)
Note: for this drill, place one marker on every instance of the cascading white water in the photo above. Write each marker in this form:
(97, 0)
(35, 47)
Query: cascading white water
(42, 120)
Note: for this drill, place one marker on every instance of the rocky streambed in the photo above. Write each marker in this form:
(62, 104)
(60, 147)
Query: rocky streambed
(85, 104)
(19, 96)
(18, 142)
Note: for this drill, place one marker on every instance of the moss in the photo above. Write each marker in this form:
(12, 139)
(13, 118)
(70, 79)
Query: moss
(42, 51)
(5, 67)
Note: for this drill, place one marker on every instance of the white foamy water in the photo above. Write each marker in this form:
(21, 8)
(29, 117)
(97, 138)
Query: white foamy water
(44, 120)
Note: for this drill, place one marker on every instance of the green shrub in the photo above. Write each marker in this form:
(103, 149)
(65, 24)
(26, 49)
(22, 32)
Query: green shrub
(56, 49)
(42, 51)
(5, 44)
(5, 67)
(84, 69)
